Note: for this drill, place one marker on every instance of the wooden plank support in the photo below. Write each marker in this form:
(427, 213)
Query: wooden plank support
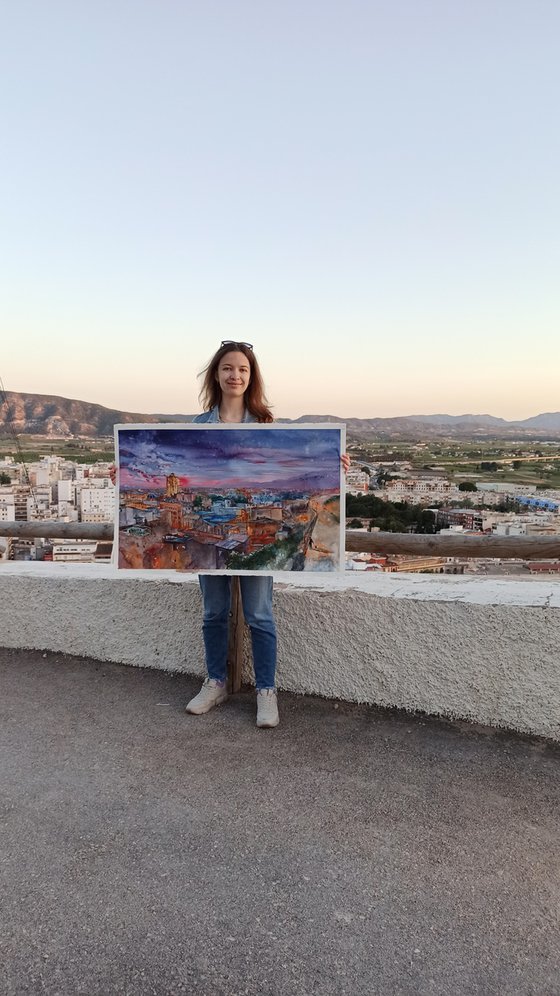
(454, 545)
(236, 638)
(50, 529)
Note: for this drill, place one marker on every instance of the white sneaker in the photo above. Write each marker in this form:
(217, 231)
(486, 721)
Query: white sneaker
(211, 694)
(267, 708)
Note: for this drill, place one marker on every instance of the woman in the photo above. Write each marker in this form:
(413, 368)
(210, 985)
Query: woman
(233, 392)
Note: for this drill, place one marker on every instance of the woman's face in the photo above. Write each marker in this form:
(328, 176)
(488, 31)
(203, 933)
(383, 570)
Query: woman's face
(233, 374)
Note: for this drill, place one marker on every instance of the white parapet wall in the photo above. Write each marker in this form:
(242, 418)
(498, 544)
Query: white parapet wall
(484, 650)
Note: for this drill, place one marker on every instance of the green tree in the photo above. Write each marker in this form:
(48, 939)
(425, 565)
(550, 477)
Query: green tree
(427, 522)
(467, 486)
(5, 478)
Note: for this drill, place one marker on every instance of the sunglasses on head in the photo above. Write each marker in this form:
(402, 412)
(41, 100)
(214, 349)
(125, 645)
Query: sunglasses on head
(233, 342)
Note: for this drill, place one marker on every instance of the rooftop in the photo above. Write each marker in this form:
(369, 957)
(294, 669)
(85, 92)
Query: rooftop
(351, 851)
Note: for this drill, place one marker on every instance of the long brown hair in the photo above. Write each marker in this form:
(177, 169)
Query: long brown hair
(254, 398)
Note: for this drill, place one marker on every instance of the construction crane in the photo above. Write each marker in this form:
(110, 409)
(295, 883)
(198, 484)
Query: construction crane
(12, 430)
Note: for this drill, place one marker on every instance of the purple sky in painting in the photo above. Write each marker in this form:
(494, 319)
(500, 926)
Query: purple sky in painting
(277, 458)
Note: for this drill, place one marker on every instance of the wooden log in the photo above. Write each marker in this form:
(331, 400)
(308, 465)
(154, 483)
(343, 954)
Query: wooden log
(235, 638)
(50, 529)
(454, 545)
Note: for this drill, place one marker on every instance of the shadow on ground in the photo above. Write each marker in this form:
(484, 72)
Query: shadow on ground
(350, 851)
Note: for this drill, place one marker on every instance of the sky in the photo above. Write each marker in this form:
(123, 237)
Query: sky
(367, 191)
(256, 456)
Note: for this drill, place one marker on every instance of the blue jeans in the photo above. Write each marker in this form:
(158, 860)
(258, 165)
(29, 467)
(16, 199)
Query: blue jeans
(256, 595)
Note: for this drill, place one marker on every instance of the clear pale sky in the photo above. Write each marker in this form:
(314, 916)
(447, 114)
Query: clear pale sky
(367, 191)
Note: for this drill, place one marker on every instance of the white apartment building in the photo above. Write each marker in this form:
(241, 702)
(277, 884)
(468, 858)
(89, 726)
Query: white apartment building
(74, 551)
(527, 525)
(101, 468)
(7, 511)
(416, 485)
(420, 490)
(357, 481)
(44, 476)
(397, 466)
(97, 504)
(39, 503)
(550, 529)
(47, 471)
(98, 482)
(18, 495)
(66, 491)
(509, 529)
(67, 506)
(508, 524)
(66, 511)
(504, 488)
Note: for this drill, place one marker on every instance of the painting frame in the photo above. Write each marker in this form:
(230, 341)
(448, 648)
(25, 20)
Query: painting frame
(285, 519)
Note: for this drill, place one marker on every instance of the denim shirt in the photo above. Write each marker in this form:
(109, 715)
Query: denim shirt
(214, 416)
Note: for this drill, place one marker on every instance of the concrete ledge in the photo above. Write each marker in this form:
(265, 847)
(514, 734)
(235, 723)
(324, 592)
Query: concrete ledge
(479, 649)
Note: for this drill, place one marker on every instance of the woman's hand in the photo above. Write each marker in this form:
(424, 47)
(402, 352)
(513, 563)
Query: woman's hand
(345, 461)
(113, 473)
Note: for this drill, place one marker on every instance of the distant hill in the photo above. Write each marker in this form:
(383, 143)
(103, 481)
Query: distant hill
(549, 420)
(49, 415)
(491, 421)
(461, 426)
(52, 416)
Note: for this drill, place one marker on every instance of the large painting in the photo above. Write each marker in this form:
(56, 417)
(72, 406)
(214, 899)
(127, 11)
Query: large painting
(211, 497)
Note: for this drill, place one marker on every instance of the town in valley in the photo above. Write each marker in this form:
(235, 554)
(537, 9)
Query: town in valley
(485, 487)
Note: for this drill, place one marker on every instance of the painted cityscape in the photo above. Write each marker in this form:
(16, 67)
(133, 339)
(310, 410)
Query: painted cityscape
(254, 498)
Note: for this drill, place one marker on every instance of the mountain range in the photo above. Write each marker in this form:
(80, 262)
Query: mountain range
(55, 417)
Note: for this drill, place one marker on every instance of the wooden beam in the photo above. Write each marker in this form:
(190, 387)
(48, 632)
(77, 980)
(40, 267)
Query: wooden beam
(49, 528)
(236, 637)
(454, 545)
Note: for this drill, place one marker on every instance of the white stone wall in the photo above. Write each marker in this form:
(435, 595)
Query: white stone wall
(485, 650)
